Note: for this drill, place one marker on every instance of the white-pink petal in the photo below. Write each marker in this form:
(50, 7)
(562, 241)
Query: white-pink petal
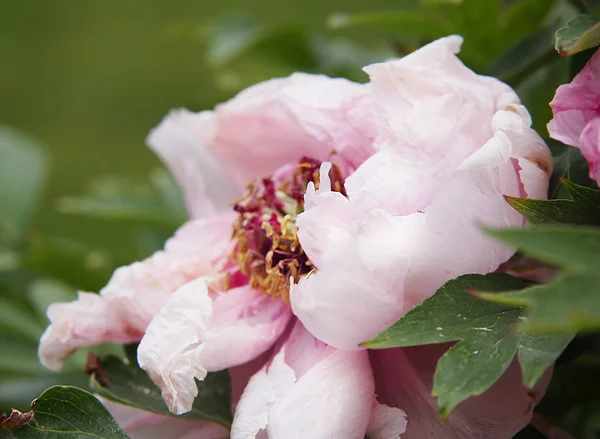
(590, 147)
(195, 333)
(386, 422)
(135, 293)
(181, 140)
(276, 122)
(310, 390)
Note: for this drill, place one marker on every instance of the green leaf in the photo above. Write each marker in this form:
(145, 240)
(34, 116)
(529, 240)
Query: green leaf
(67, 412)
(125, 200)
(528, 55)
(19, 357)
(71, 261)
(17, 319)
(229, 37)
(573, 248)
(409, 23)
(582, 209)
(581, 32)
(127, 384)
(569, 164)
(23, 172)
(488, 340)
(570, 301)
(241, 38)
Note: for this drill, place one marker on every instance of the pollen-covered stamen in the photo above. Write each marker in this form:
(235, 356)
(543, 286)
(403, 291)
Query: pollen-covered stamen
(266, 247)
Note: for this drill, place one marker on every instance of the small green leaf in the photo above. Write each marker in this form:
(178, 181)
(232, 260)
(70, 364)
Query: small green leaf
(67, 412)
(487, 334)
(581, 32)
(23, 171)
(127, 384)
(582, 209)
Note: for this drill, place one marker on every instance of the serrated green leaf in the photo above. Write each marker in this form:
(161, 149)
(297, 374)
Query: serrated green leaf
(67, 412)
(537, 352)
(571, 301)
(568, 303)
(488, 340)
(581, 32)
(572, 248)
(130, 385)
(582, 209)
(23, 171)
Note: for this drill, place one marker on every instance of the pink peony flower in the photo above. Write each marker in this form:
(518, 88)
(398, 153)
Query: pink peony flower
(576, 109)
(361, 201)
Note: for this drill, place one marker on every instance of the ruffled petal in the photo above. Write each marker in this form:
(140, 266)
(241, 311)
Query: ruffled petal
(278, 121)
(432, 113)
(404, 379)
(139, 424)
(195, 333)
(92, 320)
(310, 390)
(353, 295)
(373, 266)
(181, 141)
(386, 422)
(135, 293)
(590, 147)
(576, 103)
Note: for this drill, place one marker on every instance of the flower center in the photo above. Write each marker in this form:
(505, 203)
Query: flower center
(266, 246)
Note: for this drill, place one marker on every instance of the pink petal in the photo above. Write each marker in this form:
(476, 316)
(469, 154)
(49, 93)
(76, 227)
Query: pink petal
(281, 120)
(404, 379)
(139, 424)
(386, 422)
(576, 103)
(432, 113)
(373, 266)
(590, 147)
(181, 140)
(354, 293)
(135, 293)
(240, 375)
(194, 334)
(92, 320)
(309, 390)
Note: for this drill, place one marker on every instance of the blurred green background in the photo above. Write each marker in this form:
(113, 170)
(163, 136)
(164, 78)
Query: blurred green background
(90, 79)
